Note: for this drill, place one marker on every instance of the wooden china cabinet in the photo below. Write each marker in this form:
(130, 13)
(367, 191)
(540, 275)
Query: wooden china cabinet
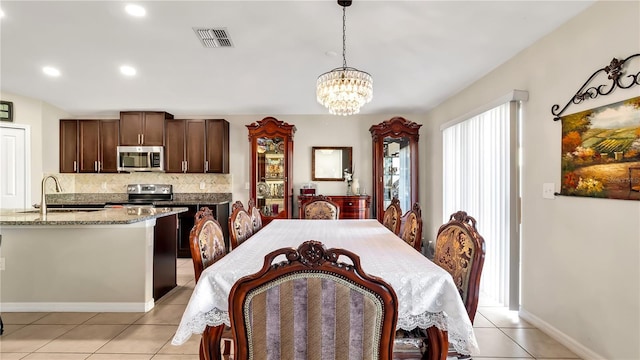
(395, 164)
(271, 182)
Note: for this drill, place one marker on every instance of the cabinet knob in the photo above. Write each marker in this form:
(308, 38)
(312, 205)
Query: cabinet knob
(350, 204)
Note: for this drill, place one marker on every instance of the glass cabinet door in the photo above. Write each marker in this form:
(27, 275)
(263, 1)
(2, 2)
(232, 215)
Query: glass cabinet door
(397, 171)
(271, 182)
(395, 164)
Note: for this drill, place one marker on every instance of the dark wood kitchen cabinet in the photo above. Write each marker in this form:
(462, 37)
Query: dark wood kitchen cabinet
(68, 146)
(187, 220)
(164, 255)
(144, 128)
(88, 146)
(207, 148)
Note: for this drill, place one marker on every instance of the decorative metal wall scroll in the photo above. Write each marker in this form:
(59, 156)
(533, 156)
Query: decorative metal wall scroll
(614, 71)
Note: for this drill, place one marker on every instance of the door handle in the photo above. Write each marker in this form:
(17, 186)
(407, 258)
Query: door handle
(206, 166)
(75, 166)
(142, 137)
(186, 166)
(95, 166)
(139, 139)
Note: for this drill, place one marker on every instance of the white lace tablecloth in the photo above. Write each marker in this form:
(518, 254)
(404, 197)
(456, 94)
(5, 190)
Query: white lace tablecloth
(426, 293)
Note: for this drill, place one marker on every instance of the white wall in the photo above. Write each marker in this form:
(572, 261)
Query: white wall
(42, 119)
(580, 256)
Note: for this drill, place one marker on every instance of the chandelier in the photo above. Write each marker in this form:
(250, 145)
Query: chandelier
(345, 89)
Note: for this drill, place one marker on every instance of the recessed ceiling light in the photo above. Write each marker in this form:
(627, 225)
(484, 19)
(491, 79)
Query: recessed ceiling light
(135, 10)
(1, 13)
(51, 71)
(127, 70)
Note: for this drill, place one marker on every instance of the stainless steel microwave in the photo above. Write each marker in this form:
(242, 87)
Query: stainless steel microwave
(141, 158)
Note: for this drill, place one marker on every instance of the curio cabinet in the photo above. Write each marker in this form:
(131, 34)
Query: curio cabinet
(395, 164)
(271, 182)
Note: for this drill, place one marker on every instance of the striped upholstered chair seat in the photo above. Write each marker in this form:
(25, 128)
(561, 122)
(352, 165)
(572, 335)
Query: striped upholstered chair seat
(312, 305)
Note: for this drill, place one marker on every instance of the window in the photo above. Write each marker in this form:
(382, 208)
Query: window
(480, 169)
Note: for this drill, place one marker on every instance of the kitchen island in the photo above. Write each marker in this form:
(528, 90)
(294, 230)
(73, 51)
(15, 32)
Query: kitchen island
(106, 260)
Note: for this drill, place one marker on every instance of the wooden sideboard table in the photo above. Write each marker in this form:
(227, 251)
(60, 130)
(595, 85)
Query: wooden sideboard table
(351, 207)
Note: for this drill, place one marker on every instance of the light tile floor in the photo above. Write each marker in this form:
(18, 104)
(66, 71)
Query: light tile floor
(147, 336)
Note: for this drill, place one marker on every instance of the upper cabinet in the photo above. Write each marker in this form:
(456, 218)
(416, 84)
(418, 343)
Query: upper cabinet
(197, 146)
(271, 182)
(142, 127)
(68, 146)
(395, 164)
(88, 146)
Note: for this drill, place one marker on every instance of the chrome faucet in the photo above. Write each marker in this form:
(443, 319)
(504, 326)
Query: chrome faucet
(43, 202)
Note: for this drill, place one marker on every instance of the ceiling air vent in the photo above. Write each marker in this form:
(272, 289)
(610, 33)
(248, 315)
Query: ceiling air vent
(213, 37)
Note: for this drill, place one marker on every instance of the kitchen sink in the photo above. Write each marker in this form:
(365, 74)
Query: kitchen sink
(62, 210)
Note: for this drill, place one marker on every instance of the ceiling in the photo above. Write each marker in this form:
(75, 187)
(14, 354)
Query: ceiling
(418, 52)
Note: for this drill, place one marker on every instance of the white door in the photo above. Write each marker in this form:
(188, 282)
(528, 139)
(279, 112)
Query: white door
(14, 166)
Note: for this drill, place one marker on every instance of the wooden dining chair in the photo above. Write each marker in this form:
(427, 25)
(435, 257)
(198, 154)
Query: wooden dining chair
(256, 217)
(206, 241)
(460, 250)
(321, 208)
(311, 304)
(412, 228)
(240, 225)
(392, 215)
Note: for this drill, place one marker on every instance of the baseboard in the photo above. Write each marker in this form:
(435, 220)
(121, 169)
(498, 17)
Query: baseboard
(582, 351)
(76, 307)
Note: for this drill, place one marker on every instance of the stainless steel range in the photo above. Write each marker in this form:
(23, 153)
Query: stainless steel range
(145, 195)
(149, 193)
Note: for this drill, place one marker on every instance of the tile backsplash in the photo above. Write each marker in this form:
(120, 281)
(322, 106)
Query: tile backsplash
(117, 183)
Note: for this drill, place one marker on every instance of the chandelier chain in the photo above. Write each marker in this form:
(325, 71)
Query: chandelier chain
(344, 37)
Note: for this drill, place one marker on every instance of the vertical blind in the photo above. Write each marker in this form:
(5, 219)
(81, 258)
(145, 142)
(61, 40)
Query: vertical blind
(477, 167)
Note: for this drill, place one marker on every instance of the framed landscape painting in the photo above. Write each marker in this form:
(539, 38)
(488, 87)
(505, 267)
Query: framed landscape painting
(601, 152)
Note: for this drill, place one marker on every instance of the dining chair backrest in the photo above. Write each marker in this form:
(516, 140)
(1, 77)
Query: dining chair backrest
(412, 228)
(321, 208)
(311, 304)
(256, 217)
(392, 215)
(460, 250)
(206, 241)
(240, 225)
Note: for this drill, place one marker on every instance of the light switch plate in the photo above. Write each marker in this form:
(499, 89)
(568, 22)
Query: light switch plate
(202, 185)
(548, 191)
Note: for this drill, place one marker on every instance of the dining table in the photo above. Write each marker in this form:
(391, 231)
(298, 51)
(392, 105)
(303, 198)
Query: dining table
(427, 296)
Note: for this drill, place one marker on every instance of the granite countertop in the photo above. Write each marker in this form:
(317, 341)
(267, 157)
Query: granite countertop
(100, 199)
(98, 216)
